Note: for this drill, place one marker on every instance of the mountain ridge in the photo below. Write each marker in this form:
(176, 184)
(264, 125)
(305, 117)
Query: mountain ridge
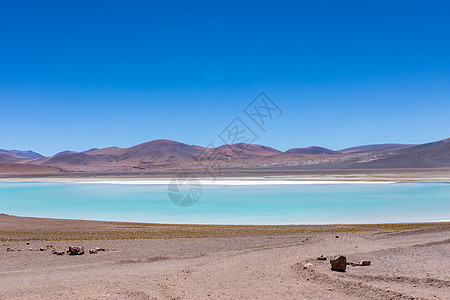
(163, 153)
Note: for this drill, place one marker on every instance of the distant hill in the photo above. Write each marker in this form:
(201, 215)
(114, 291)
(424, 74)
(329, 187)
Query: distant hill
(313, 150)
(21, 153)
(244, 151)
(17, 168)
(375, 147)
(167, 154)
(430, 155)
(6, 157)
(65, 153)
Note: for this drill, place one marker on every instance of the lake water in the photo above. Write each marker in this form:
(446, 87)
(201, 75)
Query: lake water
(232, 204)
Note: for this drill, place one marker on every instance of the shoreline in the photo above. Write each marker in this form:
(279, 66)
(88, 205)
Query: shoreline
(279, 180)
(419, 224)
(228, 181)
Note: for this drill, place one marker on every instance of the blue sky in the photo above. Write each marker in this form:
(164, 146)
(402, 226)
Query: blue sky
(82, 74)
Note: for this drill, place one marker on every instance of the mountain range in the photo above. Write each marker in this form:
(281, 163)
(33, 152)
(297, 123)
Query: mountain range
(167, 154)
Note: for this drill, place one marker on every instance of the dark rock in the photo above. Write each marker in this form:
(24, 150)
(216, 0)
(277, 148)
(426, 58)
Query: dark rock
(93, 251)
(321, 257)
(99, 249)
(338, 263)
(365, 263)
(42, 249)
(337, 236)
(76, 250)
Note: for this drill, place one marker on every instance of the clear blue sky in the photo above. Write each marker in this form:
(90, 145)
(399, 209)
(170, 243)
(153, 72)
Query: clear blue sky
(82, 74)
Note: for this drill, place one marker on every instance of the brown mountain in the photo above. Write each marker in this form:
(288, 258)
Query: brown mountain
(73, 159)
(171, 154)
(430, 155)
(158, 152)
(65, 153)
(313, 150)
(244, 151)
(6, 157)
(375, 147)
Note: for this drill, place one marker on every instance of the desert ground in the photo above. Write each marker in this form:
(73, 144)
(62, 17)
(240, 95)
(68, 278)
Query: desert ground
(155, 261)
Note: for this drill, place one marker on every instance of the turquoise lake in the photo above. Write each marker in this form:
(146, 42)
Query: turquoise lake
(231, 204)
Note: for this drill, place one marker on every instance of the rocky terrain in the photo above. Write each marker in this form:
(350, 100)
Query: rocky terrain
(154, 261)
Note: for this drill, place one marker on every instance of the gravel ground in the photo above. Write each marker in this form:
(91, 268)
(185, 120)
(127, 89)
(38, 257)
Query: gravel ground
(407, 263)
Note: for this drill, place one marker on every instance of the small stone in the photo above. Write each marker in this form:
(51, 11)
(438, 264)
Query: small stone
(355, 263)
(99, 249)
(41, 249)
(338, 263)
(321, 257)
(307, 266)
(93, 251)
(76, 250)
(337, 236)
(365, 263)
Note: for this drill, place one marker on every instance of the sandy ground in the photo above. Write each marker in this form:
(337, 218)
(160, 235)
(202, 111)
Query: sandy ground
(409, 261)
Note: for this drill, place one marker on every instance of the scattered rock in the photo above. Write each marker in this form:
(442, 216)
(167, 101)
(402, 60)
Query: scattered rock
(76, 250)
(338, 263)
(27, 243)
(365, 263)
(42, 249)
(93, 251)
(321, 257)
(337, 236)
(99, 249)
(31, 249)
(355, 263)
(307, 266)
(9, 249)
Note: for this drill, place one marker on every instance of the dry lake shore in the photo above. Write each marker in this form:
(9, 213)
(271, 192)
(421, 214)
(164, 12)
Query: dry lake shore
(155, 261)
